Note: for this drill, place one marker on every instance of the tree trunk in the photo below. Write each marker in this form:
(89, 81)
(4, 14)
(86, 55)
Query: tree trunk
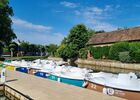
(11, 53)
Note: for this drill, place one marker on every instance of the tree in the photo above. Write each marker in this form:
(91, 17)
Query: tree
(77, 39)
(24, 46)
(64, 41)
(3, 2)
(51, 49)
(62, 51)
(78, 36)
(100, 31)
(6, 32)
(90, 33)
(13, 47)
(41, 49)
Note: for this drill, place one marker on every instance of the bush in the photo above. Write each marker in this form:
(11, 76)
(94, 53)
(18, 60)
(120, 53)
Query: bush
(100, 52)
(105, 51)
(83, 53)
(117, 48)
(95, 51)
(134, 49)
(2, 59)
(124, 57)
(135, 55)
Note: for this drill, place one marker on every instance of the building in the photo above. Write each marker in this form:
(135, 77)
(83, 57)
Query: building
(108, 38)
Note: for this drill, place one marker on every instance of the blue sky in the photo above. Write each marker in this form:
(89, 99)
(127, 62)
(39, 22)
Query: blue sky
(49, 21)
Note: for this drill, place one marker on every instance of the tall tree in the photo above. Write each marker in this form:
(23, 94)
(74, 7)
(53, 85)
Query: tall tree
(78, 36)
(77, 39)
(6, 32)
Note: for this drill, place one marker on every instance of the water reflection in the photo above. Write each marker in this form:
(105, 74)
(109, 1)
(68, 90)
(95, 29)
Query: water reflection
(108, 69)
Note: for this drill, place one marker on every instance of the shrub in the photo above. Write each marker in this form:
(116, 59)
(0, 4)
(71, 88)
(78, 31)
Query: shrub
(116, 48)
(105, 51)
(2, 59)
(83, 53)
(134, 48)
(124, 57)
(136, 56)
(100, 52)
(95, 51)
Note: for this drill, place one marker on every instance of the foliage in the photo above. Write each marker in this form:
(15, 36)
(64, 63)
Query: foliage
(100, 52)
(64, 41)
(6, 32)
(134, 47)
(90, 33)
(78, 36)
(124, 57)
(135, 55)
(24, 46)
(76, 40)
(67, 51)
(83, 53)
(116, 48)
(3, 2)
(72, 50)
(13, 46)
(51, 49)
(1, 49)
(2, 59)
(62, 51)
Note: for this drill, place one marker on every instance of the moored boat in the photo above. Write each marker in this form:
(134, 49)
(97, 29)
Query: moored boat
(23, 66)
(122, 85)
(69, 75)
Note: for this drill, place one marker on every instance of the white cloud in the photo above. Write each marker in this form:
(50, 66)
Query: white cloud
(38, 34)
(22, 23)
(108, 8)
(68, 4)
(77, 12)
(96, 17)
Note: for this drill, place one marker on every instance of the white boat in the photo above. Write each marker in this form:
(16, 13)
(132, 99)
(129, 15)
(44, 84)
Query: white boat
(122, 85)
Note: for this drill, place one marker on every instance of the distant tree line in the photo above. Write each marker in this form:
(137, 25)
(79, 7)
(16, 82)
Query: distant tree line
(23, 48)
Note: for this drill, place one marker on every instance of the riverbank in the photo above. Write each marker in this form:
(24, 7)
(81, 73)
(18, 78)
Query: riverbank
(105, 65)
(108, 65)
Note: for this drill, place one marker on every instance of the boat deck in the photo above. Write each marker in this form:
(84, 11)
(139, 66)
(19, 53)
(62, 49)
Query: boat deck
(43, 89)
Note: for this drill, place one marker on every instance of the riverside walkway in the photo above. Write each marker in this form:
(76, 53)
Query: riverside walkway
(43, 89)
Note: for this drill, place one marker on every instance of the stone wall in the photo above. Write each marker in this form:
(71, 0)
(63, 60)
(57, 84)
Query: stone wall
(108, 65)
(55, 58)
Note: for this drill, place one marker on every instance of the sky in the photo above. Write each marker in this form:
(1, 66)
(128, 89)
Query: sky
(49, 21)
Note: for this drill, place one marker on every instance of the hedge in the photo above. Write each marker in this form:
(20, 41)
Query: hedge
(125, 57)
(117, 48)
(100, 52)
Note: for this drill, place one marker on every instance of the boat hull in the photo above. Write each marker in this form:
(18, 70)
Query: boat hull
(22, 69)
(10, 67)
(75, 82)
(41, 74)
(53, 77)
(127, 94)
